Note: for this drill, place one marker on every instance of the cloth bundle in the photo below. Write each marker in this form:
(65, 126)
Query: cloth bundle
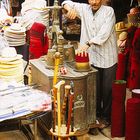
(132, 119)
(131, 32)
(122, 55)
(38, 41)
(118, 108)
(134, 81)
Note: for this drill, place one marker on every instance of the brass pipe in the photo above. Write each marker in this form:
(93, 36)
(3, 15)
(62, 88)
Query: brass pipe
(67, 92)
(57, 86)
(55, 78)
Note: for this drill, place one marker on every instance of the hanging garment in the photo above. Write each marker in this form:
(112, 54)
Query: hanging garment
(134, 80)
(38, 41)
(130, 36)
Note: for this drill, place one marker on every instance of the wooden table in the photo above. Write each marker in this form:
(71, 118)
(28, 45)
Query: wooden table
(84, 89)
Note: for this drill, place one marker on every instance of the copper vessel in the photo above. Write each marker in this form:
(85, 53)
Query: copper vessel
(69, 53)
(84, 66)
(50, 57)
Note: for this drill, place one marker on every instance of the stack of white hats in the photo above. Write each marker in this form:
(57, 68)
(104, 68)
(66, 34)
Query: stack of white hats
(11, 65)
(15, 35)
(32, 12)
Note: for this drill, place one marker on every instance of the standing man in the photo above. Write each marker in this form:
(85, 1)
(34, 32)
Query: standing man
(122, 8)
(98, 38)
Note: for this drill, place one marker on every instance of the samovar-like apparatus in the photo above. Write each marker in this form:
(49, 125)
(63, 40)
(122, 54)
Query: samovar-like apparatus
(56, 40)
(57, 43)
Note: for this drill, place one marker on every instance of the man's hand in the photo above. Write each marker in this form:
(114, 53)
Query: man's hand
(83, 48)
(71, 13)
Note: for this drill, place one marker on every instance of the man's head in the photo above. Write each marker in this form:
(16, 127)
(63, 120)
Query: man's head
(96, 4)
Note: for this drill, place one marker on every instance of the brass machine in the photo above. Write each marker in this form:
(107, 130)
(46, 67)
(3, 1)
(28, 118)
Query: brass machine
(57, 43)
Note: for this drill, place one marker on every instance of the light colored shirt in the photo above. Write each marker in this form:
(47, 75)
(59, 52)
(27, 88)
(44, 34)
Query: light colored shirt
(98, 28)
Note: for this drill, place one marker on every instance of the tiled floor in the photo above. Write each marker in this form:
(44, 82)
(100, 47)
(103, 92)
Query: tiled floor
(102, 135)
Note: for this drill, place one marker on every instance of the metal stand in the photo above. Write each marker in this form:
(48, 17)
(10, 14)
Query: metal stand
(28, 120)
(71, 135)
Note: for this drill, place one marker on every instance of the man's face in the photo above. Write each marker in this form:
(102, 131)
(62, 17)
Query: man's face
(95, 4)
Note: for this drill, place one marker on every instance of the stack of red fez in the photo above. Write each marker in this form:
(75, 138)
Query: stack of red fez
(118, 108)
(121, 69)
(133, 119)
(38, 41)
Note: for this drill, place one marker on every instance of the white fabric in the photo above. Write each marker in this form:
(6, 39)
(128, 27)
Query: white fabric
(5, 4)
(30, 14)
(30, 4)
(97, 28)
(3, 13)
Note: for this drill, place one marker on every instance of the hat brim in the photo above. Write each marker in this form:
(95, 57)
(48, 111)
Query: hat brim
(21, 31)
(121, 30)
(10, 59)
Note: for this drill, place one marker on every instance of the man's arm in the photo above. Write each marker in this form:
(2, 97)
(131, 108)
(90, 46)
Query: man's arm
(71, 13)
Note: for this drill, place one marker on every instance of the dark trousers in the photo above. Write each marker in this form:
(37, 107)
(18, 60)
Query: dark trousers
(105, 78)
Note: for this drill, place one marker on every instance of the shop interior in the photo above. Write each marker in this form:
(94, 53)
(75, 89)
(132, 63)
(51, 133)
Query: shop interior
(48, 89)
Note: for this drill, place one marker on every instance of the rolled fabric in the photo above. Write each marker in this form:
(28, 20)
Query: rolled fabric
(35, 49)
(121, 69)
(119, 90)
(118, 119)
(136, 39)
(134, 80)
(38, 27)
(38, 41)
(131, 31)
(118, 108)
(132, 131)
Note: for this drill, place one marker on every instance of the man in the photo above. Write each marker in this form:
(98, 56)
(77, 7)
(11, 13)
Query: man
(98, 38)
(122, 8)
(51, 2)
